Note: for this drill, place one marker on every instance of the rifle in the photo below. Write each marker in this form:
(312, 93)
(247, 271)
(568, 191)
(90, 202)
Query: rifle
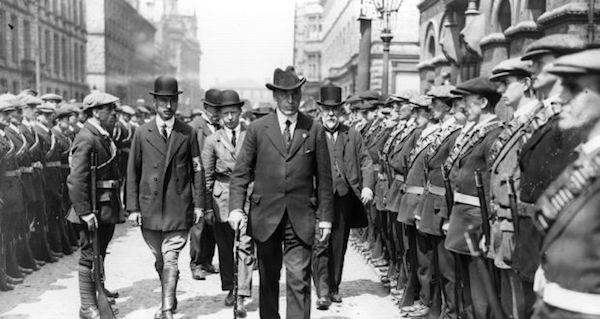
(386, 168)
(104, 308)
(514, 209)
(485, 225)
(449, 197)
(236, 248)
(472, 238)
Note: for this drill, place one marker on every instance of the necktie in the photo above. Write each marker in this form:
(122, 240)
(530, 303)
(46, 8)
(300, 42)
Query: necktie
(164, 131)
(233, 139)
(287, 137)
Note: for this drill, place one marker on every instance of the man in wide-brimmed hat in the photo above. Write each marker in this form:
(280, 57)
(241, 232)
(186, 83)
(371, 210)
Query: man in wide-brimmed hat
(165, 193)
(353, 182)
(284, 153)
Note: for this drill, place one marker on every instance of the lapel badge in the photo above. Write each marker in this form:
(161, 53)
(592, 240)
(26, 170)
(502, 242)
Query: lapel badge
(304, 135)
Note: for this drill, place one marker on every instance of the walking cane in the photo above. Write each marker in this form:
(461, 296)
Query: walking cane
(235, 271)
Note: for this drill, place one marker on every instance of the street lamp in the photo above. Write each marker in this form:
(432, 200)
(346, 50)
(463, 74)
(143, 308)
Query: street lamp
(386, 9)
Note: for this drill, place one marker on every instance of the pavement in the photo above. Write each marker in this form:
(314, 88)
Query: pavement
(52, 292)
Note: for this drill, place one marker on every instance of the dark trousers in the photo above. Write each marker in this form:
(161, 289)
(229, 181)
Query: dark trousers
(424, 268)
(105, 234)
(202, 245)
(297, 256)
(447, 270)
(328, 257)
(474, 290)
(224, 237)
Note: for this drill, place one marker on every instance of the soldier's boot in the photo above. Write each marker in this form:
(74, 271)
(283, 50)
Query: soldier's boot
(169, 288)
(26, 259)
(12, 263)
(66, 247)
(4, 284)
(87, 294)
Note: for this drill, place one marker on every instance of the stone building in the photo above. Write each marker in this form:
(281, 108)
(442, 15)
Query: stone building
(335, 46)
(60, 31)
(461, 39)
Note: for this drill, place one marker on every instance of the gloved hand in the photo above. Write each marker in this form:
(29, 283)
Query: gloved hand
(91, 221)
(366, 195)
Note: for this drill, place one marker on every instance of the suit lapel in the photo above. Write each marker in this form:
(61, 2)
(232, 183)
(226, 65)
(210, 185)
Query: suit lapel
(155, 138)
(240, 141)
(274, 134)
(105, 142)
(300, 134)
(175, 140)
(225, 141)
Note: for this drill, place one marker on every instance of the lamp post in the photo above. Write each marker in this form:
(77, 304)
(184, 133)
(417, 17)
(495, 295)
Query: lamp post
(386, 9)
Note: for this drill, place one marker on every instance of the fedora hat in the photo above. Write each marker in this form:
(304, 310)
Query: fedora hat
(286, 80)
(165, 86)
(229, 98)
(331, 95)
(212, 97)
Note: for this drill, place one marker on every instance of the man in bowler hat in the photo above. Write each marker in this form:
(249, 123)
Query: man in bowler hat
(164, 186)
(353, 181)
(285, 153)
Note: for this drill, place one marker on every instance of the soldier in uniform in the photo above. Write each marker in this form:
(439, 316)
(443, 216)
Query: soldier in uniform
(515, 85)
(568, 279)
(94, 138)
(202, 236)
(353, 181)
(469, 155)
(52, 99)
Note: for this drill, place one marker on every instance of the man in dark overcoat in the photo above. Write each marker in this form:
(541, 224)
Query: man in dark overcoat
(164, 186)
(284, 153)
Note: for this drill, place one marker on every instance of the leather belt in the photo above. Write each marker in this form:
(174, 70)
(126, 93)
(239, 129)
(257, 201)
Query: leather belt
(466, 199)
(575, 301)
(27, 170)
(37, 164)
(399, 177)
(13, 173)
(417, 190)
(107, 184)
(53, 164)
(436, 190)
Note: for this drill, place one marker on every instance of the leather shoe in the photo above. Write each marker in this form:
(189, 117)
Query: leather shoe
(26, 271)
(111, 294)
(56, 254)
(335, 297)
(40, 263)
(51, 259)
(323, 303)
(241, 308)
(14, 281)
(209, 268)
(198, 274)
(6, 286)
(89, 312)
(230, 299)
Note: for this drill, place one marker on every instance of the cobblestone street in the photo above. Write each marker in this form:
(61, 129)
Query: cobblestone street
(52, 291)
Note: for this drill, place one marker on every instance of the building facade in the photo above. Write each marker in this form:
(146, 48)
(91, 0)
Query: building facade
(462, 39)
(53, 32)
(337, 47)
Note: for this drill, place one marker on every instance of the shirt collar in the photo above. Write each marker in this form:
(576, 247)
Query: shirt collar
(95, 123)
(592, 145)
(281, 118)
(170, 122)
(429, 129)
(526, 109)
(449, 122)
(237, 129)
(486, 121)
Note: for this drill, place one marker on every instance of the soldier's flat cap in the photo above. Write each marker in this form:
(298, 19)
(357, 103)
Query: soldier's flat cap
(51, 97)
(30, 99)
(442, 91)
(420, 101)
(352, 99)
(558, 44)
(98, 98)
(369, 95)
(9, 102)
(395, 99)
(368, 105)
(65, 110)
(143, 110)
(479, 85)
(127, 110)
(584, 62)
(46, 108)
(511, 67)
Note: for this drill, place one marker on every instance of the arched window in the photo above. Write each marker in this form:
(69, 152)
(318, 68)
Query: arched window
(430, 43)
(431, 47)
(504, 15)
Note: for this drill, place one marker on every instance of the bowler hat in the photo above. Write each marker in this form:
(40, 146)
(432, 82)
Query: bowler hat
(286, 80)
(212, 97)
(331, 95)
(229, 98)
(165, 86)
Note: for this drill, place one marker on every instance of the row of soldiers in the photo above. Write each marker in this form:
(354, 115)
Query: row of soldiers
(470, 211)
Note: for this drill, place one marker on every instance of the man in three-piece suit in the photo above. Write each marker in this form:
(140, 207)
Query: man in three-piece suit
(284, 153)
(164, 186)
(202, 235)
(353, 181)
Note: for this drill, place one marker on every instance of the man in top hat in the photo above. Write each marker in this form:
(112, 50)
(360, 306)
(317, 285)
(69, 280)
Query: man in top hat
(165, 193)
(285, 153)
(567, 280)
(94, 138)
(219, 157)
(470, 154)
(202, 235)
(353, 182)
(546, 153)
(515, 85)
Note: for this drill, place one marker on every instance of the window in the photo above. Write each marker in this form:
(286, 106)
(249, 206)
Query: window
(65, 57)
(3, 86)
(76, 61)
(3, 34)
(14, 32)
(47, 49)
(27, 39)
(82, 62)
(15, 87)
(56, 54)
(504, 16)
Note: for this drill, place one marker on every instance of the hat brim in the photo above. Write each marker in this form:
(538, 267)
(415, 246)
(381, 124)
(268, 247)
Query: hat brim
(230, 104)
(274, 87)
(165, 93)
(565, 69)
(331, 104)
(535, 53)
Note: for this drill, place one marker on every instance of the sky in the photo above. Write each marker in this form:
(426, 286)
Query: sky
(242, 38)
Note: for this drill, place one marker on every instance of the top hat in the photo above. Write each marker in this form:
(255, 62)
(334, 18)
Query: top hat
(212, 97)
(331, 95)
(285, 80)
(165, 86)
(229, 98)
